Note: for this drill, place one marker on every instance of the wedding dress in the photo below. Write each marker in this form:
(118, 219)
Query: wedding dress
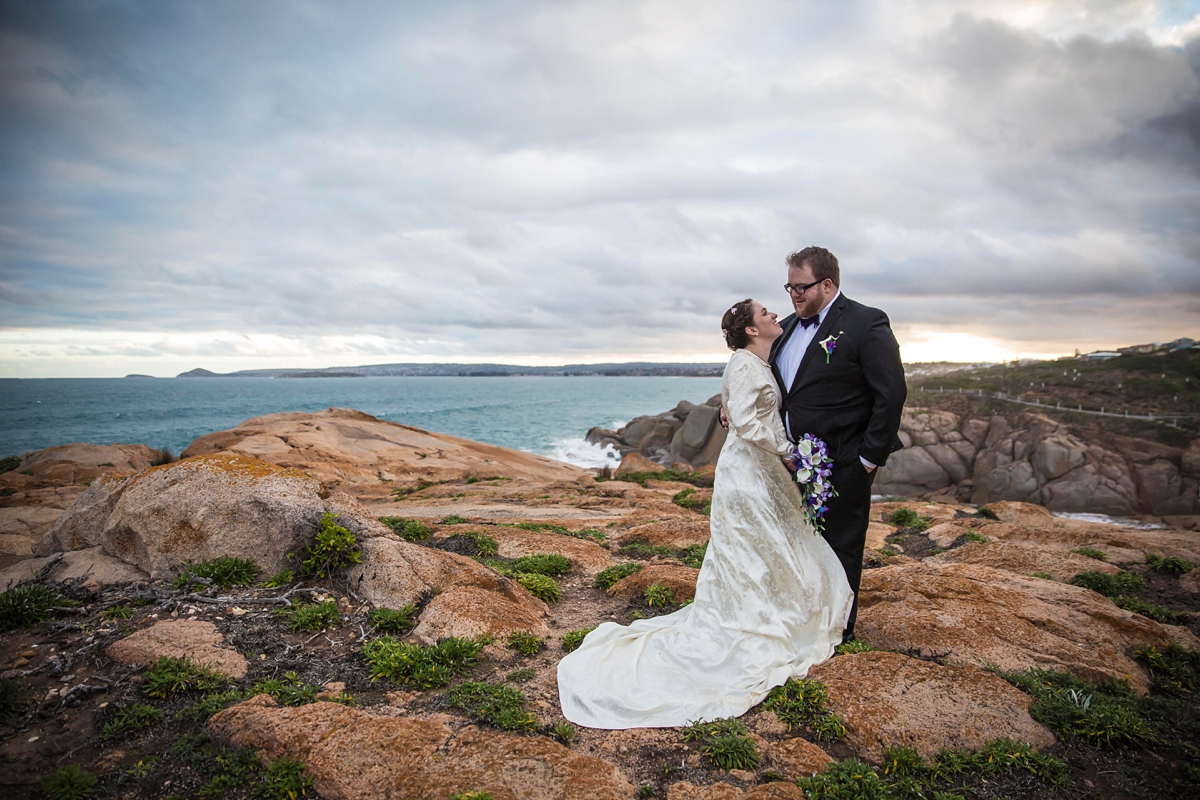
(771, 599)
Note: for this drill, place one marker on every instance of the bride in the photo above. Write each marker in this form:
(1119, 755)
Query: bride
(771, 599)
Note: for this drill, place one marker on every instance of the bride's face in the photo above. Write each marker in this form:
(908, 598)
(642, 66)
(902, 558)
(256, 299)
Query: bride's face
(766, 323)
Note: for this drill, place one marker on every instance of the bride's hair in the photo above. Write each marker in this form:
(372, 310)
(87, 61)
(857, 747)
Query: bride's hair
(734, 324)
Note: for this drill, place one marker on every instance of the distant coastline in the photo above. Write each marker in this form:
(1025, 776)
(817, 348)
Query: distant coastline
(652, 369)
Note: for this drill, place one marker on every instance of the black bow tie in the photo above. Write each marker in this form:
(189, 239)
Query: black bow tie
(810, 322)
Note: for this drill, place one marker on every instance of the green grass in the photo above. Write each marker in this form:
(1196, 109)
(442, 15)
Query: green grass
(397, 621)
(130, 719)
(974, 536)
(1091, 552)
(1046, 576)
(588, 533)
(542, 587)
(525, 642)
(853, 646)
(1174, 669)
(1171, 565)
(693, 555)
(493, 703)
(30, 603)
(334, 548)
(290, 691)
(1102, 715)
(311, 616)
(68, 783)
(170, 676)
(12, 699)
(685, 498)
(639, 548)
(281, 578)
(541, 564)
(9, 463)
(572, 639)
(659, 595)
(679, 476)
(210, 704)
(1123, 583)
(427, 667)
(484, 546)
(120, 612)
(284, 780)
(906, 518)
(471, 796)
(608, 577)
(454, 519)
(1155, 612)
(409, 529)
(520, 675)
(224, 572)
(724, 742)
(565, 732)
(801, 703)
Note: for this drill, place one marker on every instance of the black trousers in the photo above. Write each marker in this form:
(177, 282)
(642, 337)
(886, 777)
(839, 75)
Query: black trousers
(846, 525)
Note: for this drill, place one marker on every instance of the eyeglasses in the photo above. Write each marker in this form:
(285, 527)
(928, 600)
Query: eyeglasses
(791, 289)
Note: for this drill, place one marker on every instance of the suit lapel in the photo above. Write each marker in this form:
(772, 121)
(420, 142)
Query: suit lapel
(814, 346)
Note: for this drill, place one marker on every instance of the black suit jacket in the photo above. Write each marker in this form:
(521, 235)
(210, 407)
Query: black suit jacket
(854, 401)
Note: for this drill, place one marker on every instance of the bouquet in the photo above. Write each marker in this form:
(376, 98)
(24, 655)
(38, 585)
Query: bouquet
(813, 468)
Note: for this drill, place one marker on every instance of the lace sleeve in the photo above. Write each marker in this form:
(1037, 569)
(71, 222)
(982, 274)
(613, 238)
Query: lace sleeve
(751, 405)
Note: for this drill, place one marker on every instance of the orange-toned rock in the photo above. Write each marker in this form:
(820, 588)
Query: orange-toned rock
(81, 463)
(1016, 513)
(636, 462)
(971, 614)
(679, 579)
(354, 754)
(778, 790)
(675, 533)
(82, 524)
(890, 700)
(798, 758)
(468, 598)
(937, 512)
(193, 639)
(585, 555)
(1025, 559)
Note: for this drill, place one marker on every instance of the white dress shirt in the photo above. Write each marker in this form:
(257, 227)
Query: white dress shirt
(792, 353)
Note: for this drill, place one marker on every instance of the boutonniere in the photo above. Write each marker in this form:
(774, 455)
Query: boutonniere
(828, 343)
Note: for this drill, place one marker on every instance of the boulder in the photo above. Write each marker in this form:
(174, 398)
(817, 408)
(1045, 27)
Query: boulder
(798, 758)
(468, 599)
(356, 754)
(193, 639)
(81, 463)
(697, 428)
(91, 567)
(82, 524)
(970, 614)
(585, 555)
(674, 533)
(1025, 559)
(636, 462)
(890, 700)
(711, 451)
(679, 579)
(1019, 513)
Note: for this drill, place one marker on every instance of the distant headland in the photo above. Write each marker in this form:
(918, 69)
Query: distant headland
(640, 368)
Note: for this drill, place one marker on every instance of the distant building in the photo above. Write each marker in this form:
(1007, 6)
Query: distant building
(1100, 355)
(1139, 348)
(1181, 344)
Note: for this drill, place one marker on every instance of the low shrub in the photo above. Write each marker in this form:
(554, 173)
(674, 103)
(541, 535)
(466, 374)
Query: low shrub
(284, 780)
(281, 578)
(1123, 583)
(842, 780)
(1046, 576)
(542, 526)
(853, 646)
(1174, 669)
(724, 742)
(565, 732)
(1155, 612)
(453, 519)
(520, 675)
(121, 612)
(525, 642)
(290, 691)
(659, 595)
(572, 639)
(1171, 565)
(170, 676)
(30, 603)
(1091, 552)
(394, 620)
(311, 616)
(1102, 715)
(494, 704)
(800, 703)
(409, 529)
(211, 704)
(12, 699)
(542, 587)
(588, 533)
(974, 536)
(686, 498)
(224, 572)
(9, 463)
(693, 555)
(906, 518)
(478, 544)
(136, 717)
(541, 564)
(335, 548)
(472, 796)
(609, 576)
(638, 548)
(426, 667)
(68, 783)
(701, 479)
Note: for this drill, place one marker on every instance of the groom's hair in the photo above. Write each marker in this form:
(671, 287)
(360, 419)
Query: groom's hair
(824, 264)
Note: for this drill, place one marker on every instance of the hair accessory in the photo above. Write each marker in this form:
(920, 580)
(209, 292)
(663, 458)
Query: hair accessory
(733, 308)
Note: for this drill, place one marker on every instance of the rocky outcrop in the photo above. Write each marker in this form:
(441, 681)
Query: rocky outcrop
(202, 508)
(196, 640)
(1032, 458)
(679, 579)
(354, 754)
(890, 700)
(674, 533)
(91, 567)
(80, 464)
(687, 434)
(969, 614)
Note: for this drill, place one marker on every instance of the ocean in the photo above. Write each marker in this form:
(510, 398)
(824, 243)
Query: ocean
(544, 415)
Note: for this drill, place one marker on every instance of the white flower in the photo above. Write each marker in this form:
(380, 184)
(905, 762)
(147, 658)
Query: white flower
(805, 447)
(803, 475)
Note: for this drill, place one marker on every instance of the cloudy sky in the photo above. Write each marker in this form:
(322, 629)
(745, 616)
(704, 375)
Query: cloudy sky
(239, 185)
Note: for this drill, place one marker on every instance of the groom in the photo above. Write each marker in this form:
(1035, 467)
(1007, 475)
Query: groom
(838, 366)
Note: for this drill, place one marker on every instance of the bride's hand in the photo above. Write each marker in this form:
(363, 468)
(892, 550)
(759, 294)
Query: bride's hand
(791, 463)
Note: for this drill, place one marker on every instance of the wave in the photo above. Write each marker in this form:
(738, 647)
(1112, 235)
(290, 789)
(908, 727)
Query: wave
(583, 453)
(1107, 520)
